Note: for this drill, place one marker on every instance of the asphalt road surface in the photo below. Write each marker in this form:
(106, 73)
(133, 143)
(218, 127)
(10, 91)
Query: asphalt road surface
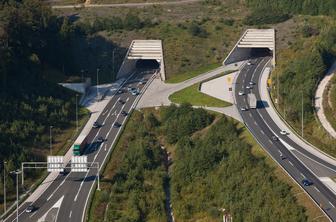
(66, 198)
(264, 129)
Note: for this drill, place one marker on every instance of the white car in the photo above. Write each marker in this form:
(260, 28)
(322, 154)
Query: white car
(241, 93)
(251, 83)
(249, 63)
(249, 87)
(243, 108)
(283, 132)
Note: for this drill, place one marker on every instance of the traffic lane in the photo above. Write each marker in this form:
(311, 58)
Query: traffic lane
(76, 213)
(284, 148)
(276, 129)
(290, 165)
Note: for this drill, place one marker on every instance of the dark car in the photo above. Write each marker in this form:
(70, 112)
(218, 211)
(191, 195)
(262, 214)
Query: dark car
(124, 113)
(100, 139)
(116, 125)
(30, 209)
(120, 91)
(96, 125)
(274, 138)
(306, 182)
(121, 101)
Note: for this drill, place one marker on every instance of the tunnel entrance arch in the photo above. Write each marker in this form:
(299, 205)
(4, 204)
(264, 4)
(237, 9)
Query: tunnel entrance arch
(252, 44)
(146, 54)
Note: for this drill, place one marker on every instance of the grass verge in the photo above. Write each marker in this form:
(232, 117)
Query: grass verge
(193, 96)
(190, 74)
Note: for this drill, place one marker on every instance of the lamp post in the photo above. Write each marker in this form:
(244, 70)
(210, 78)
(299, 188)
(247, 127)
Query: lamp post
(97, 83)
(17, 172)
(82, 71)
(76, 112)
(4, 177)
(113, 60)
(50, 137)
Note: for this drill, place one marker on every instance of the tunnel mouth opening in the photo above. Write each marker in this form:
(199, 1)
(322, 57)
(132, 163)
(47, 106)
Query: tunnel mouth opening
(260, 52)
(147, 64)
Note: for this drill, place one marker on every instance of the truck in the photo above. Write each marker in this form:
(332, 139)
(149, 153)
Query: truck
(252, 100)
(79, 145)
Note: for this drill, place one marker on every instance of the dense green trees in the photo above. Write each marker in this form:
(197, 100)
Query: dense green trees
(212, 169)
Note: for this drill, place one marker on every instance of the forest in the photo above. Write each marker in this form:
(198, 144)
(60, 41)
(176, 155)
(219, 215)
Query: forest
(31, 38)
(212, 168)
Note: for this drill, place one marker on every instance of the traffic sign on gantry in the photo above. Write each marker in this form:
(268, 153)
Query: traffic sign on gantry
(55, 163)
(79, 164)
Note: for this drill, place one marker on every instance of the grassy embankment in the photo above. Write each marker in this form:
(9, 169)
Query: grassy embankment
(121, 154)
(329, 102)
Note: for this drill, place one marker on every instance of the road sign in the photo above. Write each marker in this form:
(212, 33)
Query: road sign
(79, 164)
(55, 164)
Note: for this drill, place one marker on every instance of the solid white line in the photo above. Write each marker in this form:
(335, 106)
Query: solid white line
(70, 214)
(290, 163)
(58, 187)
(262, 132)
(331, 204)
(317, 189)
(75, 199)
(302, 175)
(33, 214)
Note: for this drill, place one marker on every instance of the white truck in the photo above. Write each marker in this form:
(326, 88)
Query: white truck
(252, 100)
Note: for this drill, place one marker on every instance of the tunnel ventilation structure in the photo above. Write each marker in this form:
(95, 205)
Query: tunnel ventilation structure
(139, 51)
(253, 43)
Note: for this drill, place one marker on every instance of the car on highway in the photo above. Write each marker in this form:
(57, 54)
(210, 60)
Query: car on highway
(142, 81)
(100, 139)
(249, 87)
(282, 156)
(243, 108)
(124, 113)
(96, 125)
(120, 91)
(274, 138)
(249, 63)
(116, 125)
(30, 208)
(241, 93)
(283, 132)
(135, 92)
(121, 101)
(251, 83)
(129, 89)
(306, 182)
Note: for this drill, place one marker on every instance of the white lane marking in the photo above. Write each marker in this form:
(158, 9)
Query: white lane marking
(317, 189)
(331, 204)
(104, 113)
(250, 115)
(262, 132)
(255, 123)
(58, 187)
(33, 214)
(70, 214)
(302, 175)
(290, 163)
(270, 141)
(80, 187)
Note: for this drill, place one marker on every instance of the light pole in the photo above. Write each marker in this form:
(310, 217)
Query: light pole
(97, 83)
(17, 172)
(4, 176)
(302, 114)
(113, 61)
(50, 137)
(76, 113)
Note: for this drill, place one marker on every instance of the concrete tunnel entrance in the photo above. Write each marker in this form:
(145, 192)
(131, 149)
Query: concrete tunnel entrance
(143, 54)
(254, 43)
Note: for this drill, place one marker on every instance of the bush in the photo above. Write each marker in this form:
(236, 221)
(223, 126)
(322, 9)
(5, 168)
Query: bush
(266, 16)
(197, 30)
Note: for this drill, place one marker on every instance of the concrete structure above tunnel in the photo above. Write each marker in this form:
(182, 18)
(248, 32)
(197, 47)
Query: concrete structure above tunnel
(143, 50)
(251, 43)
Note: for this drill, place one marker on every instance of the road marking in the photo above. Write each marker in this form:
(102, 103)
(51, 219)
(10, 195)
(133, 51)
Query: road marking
(302, 175)
(58, 187)
(250, 115)
(70, 214)
(80, 187)
(317, 189)
(255, 122)
(262, 132)
(33, 214)
(331, 204)
(290, 163)
(106, 111)
(270, 141)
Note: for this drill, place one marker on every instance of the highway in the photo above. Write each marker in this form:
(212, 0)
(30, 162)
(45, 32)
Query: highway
(67, 197)
(297, 162)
